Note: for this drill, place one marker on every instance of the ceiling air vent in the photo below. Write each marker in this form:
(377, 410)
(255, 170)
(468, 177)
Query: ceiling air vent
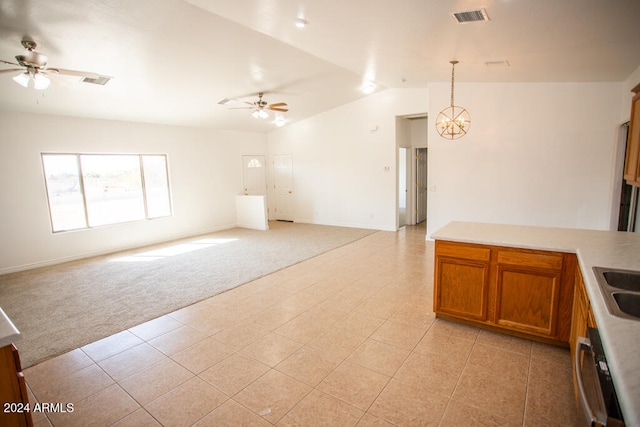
(102, 80)
(477, 15)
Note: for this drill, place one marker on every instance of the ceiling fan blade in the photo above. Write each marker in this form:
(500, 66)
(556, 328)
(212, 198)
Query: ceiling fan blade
(284, 110)
(12, 70)
(278, 104)
(9, 63)
(87, 74)
(242, 108)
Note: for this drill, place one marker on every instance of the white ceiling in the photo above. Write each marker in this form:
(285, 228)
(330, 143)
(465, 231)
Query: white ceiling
(174, 60)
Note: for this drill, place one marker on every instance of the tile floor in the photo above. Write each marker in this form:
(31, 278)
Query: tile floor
(345, 338)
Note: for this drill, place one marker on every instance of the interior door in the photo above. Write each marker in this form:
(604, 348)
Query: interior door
(254, 177)
(283, 186)
(421, 185)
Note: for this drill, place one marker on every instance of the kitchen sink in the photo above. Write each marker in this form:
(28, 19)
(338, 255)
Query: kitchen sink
(628, 303)
(628, 280)
(621, 290)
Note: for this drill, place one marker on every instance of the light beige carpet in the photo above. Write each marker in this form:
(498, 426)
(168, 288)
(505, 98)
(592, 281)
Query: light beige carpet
(63, 307)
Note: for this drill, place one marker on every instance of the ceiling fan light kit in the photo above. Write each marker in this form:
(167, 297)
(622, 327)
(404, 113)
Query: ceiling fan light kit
(260, 108)
(34, 68)
(453, 122)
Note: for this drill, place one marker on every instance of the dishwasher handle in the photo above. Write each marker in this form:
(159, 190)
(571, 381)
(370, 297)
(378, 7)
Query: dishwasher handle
(593, 418)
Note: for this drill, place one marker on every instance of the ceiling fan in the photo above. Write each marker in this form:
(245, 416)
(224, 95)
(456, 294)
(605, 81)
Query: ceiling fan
(35, 69)
(259, 107)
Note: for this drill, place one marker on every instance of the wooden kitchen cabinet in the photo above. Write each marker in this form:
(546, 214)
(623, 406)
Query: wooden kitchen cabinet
(632, 159)
(13, 390)
(582, 313)
(462, 280)
(520, 291)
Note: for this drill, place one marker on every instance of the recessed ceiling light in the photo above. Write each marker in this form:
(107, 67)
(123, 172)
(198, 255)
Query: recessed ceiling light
(368, 87)
(503, 63)
(301, 23)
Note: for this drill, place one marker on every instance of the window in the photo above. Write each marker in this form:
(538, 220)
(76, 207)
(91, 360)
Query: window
(89, 190)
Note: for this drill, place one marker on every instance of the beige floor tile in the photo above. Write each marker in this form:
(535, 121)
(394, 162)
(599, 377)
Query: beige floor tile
(186, 404)
(318, 408)
(112, 345)
(271, 349)
(550, 352)
(272, 395)
(360, 323)
(177, 339)
(415, 315)
(139, 418)
(460, 415)
(511, 366)
(155, 380)
(399, 334)
(234, 373)
(241, 335)
(445, 346)
(550, 394)
(131, 361)
(102, 408)
(203, 355)
(155, 327)
(379, 308)
(339, 342)
(71, 388)
(458, 330)
(232, 414)
(435, 373)
(57, 367)
(354, 384)
(369, 420)
(493, 393)
(378, 356)
(505, 342)
(309, 365)
(403, 405)
(303, 328)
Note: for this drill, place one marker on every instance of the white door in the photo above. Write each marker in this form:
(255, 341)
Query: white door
(283, 185)
(254, 176)
(421, 185)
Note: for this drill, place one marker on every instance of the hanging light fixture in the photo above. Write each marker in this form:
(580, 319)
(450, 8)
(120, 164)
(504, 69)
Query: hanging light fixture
(453, 122)
(40, 81)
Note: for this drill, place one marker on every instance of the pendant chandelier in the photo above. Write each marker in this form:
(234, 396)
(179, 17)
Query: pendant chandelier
(453, 122)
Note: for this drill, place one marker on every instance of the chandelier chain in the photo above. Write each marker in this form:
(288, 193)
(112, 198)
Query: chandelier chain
(453, 68)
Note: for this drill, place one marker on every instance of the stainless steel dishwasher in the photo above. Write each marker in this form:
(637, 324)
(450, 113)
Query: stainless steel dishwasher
(597, 400)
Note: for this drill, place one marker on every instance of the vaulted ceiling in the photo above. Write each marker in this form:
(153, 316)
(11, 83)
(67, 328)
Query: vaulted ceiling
(172, 61)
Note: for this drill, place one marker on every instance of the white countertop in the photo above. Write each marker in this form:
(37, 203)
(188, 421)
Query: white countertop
(8, 332)
(612, 249)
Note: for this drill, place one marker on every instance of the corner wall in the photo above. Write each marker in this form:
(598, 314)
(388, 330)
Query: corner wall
(205, 172)
(344, 160)
(537, 154)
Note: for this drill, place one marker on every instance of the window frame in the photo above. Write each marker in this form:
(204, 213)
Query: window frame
(83, 190)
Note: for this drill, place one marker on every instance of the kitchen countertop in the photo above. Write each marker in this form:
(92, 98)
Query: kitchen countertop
(612, 249)
(8, 332)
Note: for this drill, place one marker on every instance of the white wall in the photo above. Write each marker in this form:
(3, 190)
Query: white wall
(205, 176)
(344, 160)
(537, 154)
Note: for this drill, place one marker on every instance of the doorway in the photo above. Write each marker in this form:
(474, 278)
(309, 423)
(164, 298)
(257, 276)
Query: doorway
(254, 177)
(411, 192)
(283, 186)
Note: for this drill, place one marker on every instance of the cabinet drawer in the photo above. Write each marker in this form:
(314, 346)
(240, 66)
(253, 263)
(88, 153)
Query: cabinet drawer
(464, 251)
(547, 261)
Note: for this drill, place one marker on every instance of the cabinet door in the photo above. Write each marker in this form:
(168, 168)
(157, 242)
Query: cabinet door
(528, 291)
(632, 161)
(461, 280)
